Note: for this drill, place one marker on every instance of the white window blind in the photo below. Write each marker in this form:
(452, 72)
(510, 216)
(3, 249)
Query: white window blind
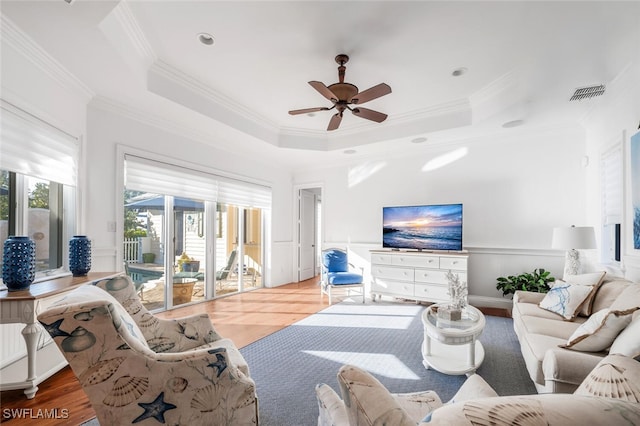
(611, 180)
(167, 179)
(162, 178)
(34, 148)
(244, 194)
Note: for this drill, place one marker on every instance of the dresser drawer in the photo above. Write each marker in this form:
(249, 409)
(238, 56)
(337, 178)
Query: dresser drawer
(416, 261)
(392, 287)
(434, 276)
(389, 272)
(432, 292)
(459, 263)
(381, 259)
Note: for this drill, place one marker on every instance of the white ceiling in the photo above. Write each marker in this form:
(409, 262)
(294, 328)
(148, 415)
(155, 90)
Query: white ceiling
(523, 59)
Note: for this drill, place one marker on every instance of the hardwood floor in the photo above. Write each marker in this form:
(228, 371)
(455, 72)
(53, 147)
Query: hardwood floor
(245, 318)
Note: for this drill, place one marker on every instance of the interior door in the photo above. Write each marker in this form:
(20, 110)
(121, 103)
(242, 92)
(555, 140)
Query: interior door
(306, 242)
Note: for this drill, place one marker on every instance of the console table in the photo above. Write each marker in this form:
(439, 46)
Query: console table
(24, 307)
(419, 276)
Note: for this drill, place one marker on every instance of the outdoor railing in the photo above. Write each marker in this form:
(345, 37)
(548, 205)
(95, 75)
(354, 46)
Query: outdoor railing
(131, 250)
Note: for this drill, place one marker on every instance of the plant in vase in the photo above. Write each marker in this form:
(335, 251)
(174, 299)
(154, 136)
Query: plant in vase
(537, 281)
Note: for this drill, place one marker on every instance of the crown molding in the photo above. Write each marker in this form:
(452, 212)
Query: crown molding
(125, 17)
(452, 107)
(115, 107)
(493, 89)
(182, 79)
(26, 46)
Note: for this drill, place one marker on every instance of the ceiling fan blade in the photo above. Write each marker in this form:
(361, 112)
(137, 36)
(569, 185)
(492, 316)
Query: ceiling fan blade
(370, 114)
(307, 110)
(334, 123)
(371, 93)
(324, 90)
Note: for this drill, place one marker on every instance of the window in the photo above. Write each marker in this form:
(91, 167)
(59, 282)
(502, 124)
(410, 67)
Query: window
(38, 164)
(40, 216)
(611, 184)
(206, 235)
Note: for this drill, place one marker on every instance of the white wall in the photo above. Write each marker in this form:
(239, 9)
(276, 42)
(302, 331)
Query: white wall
(615, 120)
(515, 188)
(107, 129)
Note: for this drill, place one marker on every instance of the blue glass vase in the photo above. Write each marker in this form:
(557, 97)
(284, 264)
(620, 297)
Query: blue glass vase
(18, 263)
(79, 255)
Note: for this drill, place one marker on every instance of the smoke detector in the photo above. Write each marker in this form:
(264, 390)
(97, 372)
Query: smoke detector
(587, 92)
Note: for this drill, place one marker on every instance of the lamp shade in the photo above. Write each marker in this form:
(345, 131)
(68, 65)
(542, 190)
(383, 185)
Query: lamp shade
(574, 237)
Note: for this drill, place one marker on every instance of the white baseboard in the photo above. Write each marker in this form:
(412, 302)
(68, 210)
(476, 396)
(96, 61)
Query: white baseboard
(490, 302)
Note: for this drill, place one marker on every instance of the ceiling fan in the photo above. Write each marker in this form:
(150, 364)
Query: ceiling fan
(343, 95)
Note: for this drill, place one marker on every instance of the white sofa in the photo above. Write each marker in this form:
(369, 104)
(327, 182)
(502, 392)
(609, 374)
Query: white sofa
(543, 334)
(609, 395)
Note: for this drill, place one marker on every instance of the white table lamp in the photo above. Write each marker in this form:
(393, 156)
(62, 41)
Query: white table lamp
(572, 239)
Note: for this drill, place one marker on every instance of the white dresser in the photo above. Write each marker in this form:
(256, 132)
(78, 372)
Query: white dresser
(419, 276)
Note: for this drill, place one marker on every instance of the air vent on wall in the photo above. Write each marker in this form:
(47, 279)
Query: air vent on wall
(587, 92)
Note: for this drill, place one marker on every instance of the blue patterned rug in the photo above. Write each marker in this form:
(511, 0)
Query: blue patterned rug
(385, 339)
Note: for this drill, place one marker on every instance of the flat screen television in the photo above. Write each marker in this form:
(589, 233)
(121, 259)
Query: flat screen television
(428, 227)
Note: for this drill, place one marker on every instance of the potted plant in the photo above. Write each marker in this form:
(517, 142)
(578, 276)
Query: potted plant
(537, 281)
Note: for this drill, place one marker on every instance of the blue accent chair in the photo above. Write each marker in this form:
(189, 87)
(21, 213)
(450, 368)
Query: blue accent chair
(337, 272)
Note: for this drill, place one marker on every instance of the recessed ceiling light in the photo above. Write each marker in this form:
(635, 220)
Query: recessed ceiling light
(349, 151)
(513, 123)
(205, 38)
(419, 140)
(458, 72)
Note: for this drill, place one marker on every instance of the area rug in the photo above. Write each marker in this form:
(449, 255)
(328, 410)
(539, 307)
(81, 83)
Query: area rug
(383, 338)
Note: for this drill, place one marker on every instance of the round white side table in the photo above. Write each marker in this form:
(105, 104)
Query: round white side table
(443, 349)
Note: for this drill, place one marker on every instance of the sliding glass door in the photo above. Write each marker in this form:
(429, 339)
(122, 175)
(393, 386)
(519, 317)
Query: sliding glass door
(189, 235)
(145, 239)
(189, 249)
(239, 249)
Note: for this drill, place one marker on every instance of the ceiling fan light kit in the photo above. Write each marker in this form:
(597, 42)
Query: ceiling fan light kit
(343, 95)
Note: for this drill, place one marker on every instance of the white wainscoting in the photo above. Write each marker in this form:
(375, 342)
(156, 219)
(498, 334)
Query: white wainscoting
(104, 259)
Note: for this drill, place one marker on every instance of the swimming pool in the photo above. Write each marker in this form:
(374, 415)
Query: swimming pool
(140, 276)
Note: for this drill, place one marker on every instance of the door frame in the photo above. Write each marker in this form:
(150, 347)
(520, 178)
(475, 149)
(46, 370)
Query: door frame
(296, 227)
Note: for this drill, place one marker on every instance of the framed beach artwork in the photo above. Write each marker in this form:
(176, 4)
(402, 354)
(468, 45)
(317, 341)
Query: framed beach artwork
(634, 169)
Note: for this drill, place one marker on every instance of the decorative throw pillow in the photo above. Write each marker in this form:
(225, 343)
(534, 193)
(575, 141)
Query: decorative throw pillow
(599, 331)
(565, 299)
(628, 341)
(608, 292)
(593, 280)
(628, 299)
(615, 377)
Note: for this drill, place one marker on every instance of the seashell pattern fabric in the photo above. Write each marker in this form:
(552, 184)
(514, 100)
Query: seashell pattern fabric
(366, 402)
(168, 335)
(616, 376)
(154, 372)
